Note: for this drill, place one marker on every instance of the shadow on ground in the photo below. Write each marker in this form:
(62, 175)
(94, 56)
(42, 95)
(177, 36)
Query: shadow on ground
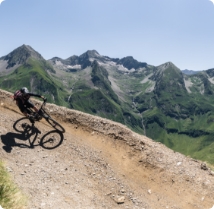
(27, 136)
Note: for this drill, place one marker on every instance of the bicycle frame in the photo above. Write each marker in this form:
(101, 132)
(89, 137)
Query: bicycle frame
(46, 116)
(41, 112)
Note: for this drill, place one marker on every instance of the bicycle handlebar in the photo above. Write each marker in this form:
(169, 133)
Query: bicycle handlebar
(44, 102)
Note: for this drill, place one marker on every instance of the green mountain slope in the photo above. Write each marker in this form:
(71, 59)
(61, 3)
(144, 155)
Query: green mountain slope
(183, 121)
(32, 73)
(161, 102)
(101, 100)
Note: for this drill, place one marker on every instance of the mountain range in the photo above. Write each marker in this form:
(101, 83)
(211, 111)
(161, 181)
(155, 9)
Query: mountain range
(162, 102)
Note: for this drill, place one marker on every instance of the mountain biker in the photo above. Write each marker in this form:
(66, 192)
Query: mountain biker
(22, 101)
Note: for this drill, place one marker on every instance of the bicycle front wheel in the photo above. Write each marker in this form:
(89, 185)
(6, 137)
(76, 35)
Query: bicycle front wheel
(52, 139)
(55, 124)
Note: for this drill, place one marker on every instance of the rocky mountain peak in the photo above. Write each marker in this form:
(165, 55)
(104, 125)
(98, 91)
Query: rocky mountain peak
(24, 52)
(167, 65)
(90, 54)
(31, 51)
(129, 62)
(20, 55)
(190, 72)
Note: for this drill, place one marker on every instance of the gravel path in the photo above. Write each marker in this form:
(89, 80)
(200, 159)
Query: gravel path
(90, 170)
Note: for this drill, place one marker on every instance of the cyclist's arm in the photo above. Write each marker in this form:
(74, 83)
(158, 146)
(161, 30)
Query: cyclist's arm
(35, 95)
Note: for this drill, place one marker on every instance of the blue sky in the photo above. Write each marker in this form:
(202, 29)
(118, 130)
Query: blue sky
(152, 31)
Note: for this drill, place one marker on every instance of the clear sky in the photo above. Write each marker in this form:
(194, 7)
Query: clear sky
(152, 31)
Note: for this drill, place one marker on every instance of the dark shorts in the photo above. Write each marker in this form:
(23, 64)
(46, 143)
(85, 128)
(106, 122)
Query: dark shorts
(22, 106)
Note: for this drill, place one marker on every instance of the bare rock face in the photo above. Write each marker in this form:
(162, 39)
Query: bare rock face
(99, 161)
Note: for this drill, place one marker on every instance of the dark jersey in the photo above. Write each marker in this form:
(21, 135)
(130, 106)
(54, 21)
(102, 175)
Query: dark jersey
(18, 95)
(22, 100)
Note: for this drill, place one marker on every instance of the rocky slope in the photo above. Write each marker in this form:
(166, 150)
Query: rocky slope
(100, 164)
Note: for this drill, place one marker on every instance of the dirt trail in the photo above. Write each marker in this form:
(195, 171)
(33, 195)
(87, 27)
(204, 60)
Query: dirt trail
(95, 170)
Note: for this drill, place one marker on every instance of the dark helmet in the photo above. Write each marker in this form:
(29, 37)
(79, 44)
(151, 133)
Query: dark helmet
(24, 90)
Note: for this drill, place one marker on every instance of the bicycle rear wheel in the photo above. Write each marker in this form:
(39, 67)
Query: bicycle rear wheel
(55, 124)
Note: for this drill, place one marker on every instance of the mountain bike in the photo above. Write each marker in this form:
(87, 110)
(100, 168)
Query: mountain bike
(42, 113)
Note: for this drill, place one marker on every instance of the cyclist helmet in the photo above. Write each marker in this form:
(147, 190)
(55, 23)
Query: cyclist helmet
(24, 90)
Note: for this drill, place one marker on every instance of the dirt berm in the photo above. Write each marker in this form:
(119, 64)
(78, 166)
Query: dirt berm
(99, 164)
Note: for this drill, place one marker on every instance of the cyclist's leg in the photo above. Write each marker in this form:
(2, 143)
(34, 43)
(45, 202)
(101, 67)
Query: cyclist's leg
(28, 105)
(31, 105)
(37, 116)
(21, 107)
